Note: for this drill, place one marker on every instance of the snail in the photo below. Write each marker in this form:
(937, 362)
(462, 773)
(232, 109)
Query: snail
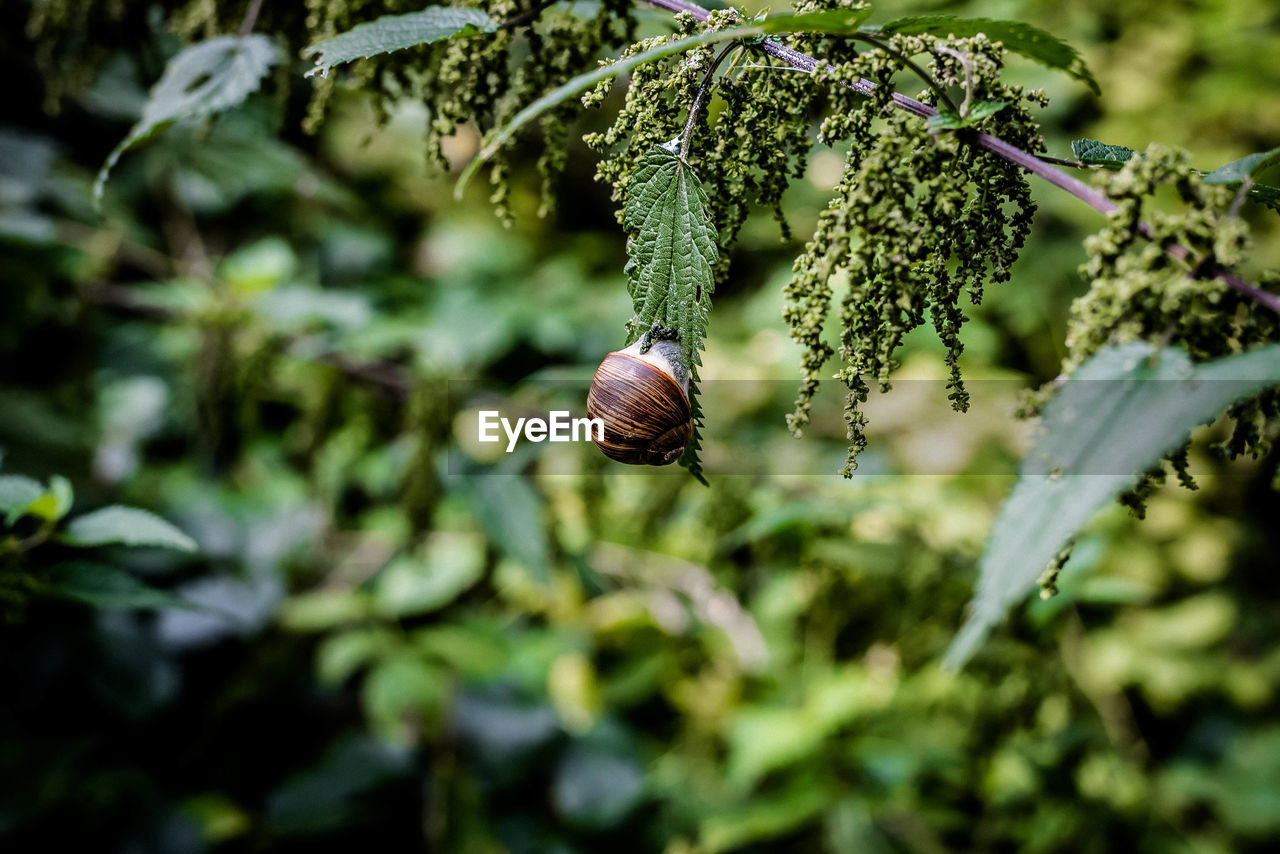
(641, 394)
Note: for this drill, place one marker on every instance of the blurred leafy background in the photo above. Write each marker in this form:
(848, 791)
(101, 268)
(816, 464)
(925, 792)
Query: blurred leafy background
(367, 649)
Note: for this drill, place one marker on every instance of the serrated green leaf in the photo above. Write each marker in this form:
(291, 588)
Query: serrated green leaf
(397, 32)
(17, 493)
(1246, 167)
(671, 255)
(125, 526)
(1096, 153)
(1234, 173)
(829, 22)
(1114, 419)
(1023, 39)
(107, 587)
(207, 78)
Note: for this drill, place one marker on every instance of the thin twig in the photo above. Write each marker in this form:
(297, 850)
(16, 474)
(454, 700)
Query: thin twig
(1033, 164)
(697, 99)
(1240, 197)
(250, 17)
(1062, 161)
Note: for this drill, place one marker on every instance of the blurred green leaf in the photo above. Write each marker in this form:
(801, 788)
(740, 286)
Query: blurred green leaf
(56, 500)
(399, 694)
(340, 655)
(105, 586)
(128, 526)
(326, 795)
(510, 511)
(595, 787)
(260, 266)
(427, 580)
(206, 78)
(17, 493)
(1114, 419)
(765, 817)
(320, 610)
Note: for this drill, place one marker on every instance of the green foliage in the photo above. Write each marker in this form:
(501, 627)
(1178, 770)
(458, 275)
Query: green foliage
(105, 586)
(831, 22)
(1114, 418)
(255, 342)
(207, 78)
(1233, 174)
(21, 496)
(31, 519)
(1236, 173)
(1246, 167)
(128, 526)
(1016, 37)
(905, 255)
(671, 261)
(17, 493)
(1140, 293)
(397, 32)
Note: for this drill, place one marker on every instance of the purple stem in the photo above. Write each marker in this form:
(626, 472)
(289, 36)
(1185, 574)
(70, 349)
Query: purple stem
(1000, 148)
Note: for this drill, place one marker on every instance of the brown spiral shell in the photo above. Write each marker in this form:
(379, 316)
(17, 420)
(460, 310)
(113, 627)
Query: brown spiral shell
(646, 415)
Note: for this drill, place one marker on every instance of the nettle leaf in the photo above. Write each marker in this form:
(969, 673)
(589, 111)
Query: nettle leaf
(1234, 174)
(671, 255)
(1023, 39)
(830, 22)
(1246, 167)
(127, 526)
(1096, 153)
(17, 493)
(977, 112)
(107, 587)
(1114, 419)
(398, 32)
(207, 78)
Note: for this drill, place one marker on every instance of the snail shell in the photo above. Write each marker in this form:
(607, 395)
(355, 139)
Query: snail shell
(643, 400)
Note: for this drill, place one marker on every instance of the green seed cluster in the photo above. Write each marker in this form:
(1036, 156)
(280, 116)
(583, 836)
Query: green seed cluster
(486, 80)
(917, 220)
(1138, 292)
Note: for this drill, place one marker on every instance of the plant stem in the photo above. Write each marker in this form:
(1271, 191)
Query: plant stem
(934, 85)
(697, 100)
(1062, 161)
(1000, 148)
(250, 17)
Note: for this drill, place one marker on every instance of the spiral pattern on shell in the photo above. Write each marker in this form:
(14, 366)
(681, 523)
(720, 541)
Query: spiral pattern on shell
(646, 414)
